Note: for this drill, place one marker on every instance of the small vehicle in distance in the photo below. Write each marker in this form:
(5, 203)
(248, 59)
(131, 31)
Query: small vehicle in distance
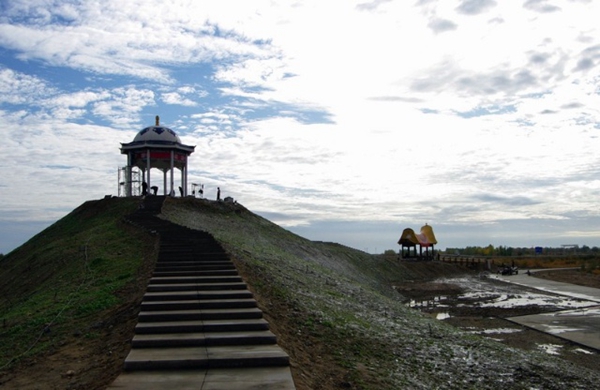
(508, 270)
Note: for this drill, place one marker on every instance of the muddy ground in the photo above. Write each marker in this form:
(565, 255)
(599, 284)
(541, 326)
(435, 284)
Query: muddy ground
(457, 302)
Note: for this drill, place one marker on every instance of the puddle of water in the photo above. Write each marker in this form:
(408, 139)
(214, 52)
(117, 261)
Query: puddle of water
(584, 351)
(500, 331)
(493, 299)
(442, 316)
(550, 349)
(485, 294)
(594, 311)
(481, 294)
(435, 302)
(558, 329)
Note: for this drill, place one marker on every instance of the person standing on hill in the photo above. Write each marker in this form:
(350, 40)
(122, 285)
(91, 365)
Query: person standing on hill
(218, 193)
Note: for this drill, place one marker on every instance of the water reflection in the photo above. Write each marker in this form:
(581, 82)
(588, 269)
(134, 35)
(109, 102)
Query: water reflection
(442, 316)
(434, 302)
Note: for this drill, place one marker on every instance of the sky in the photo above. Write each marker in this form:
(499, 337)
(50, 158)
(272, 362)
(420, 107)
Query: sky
(340, 120)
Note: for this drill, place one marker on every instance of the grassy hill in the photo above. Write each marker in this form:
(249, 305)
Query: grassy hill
(333, 308)
(68, 297)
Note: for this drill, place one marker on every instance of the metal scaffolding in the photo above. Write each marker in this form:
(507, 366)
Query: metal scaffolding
(134, 182)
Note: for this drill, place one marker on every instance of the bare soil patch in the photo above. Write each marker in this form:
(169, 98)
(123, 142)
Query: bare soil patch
(428, 290)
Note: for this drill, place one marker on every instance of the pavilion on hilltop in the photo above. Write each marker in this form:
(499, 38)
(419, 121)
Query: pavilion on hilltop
(154, 147)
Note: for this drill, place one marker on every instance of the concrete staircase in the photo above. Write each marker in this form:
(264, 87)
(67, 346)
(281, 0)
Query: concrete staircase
(199, 327)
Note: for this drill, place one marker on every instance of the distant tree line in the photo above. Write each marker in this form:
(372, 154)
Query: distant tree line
(490, 250)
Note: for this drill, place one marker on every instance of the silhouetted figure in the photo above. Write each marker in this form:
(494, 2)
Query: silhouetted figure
(218, 193)
(180, 191)
(154, 189)
(144, 188)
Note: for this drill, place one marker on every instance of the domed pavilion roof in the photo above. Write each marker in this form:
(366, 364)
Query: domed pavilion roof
(156, 137)
(157, 133)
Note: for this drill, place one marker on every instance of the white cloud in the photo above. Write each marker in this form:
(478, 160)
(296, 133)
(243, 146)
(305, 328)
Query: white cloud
(184, 96)
(316, 112)
(133, 38)
(124, 105)
(19, 88)
(475, 7)
(58, 165)
(176, 98)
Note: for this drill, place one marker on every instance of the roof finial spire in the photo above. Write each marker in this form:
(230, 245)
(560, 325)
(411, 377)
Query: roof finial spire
(157, 120)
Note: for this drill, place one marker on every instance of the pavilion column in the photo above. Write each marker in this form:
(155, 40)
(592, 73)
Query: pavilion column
(183, 184)
(148, 167)
(182, 173)
(185, 162)
(165, 183)
(172, 168)
(128, 175)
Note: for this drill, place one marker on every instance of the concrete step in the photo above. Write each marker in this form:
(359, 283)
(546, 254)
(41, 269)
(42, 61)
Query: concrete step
(195, 239)
(181, 250)
(198, 304)
(197, 315)
(196, 295)
(189, 247)
(196, 263)
(268, 378)
(166, 258)
(195, 268)
(191, 260)
(195, 279)
(192, 263)
(206, 357)
(201, 326)
(171, 340)
(196, 273)
(195, 287)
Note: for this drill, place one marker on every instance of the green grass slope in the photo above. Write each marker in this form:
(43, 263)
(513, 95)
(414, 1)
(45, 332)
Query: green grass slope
(66, 282)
